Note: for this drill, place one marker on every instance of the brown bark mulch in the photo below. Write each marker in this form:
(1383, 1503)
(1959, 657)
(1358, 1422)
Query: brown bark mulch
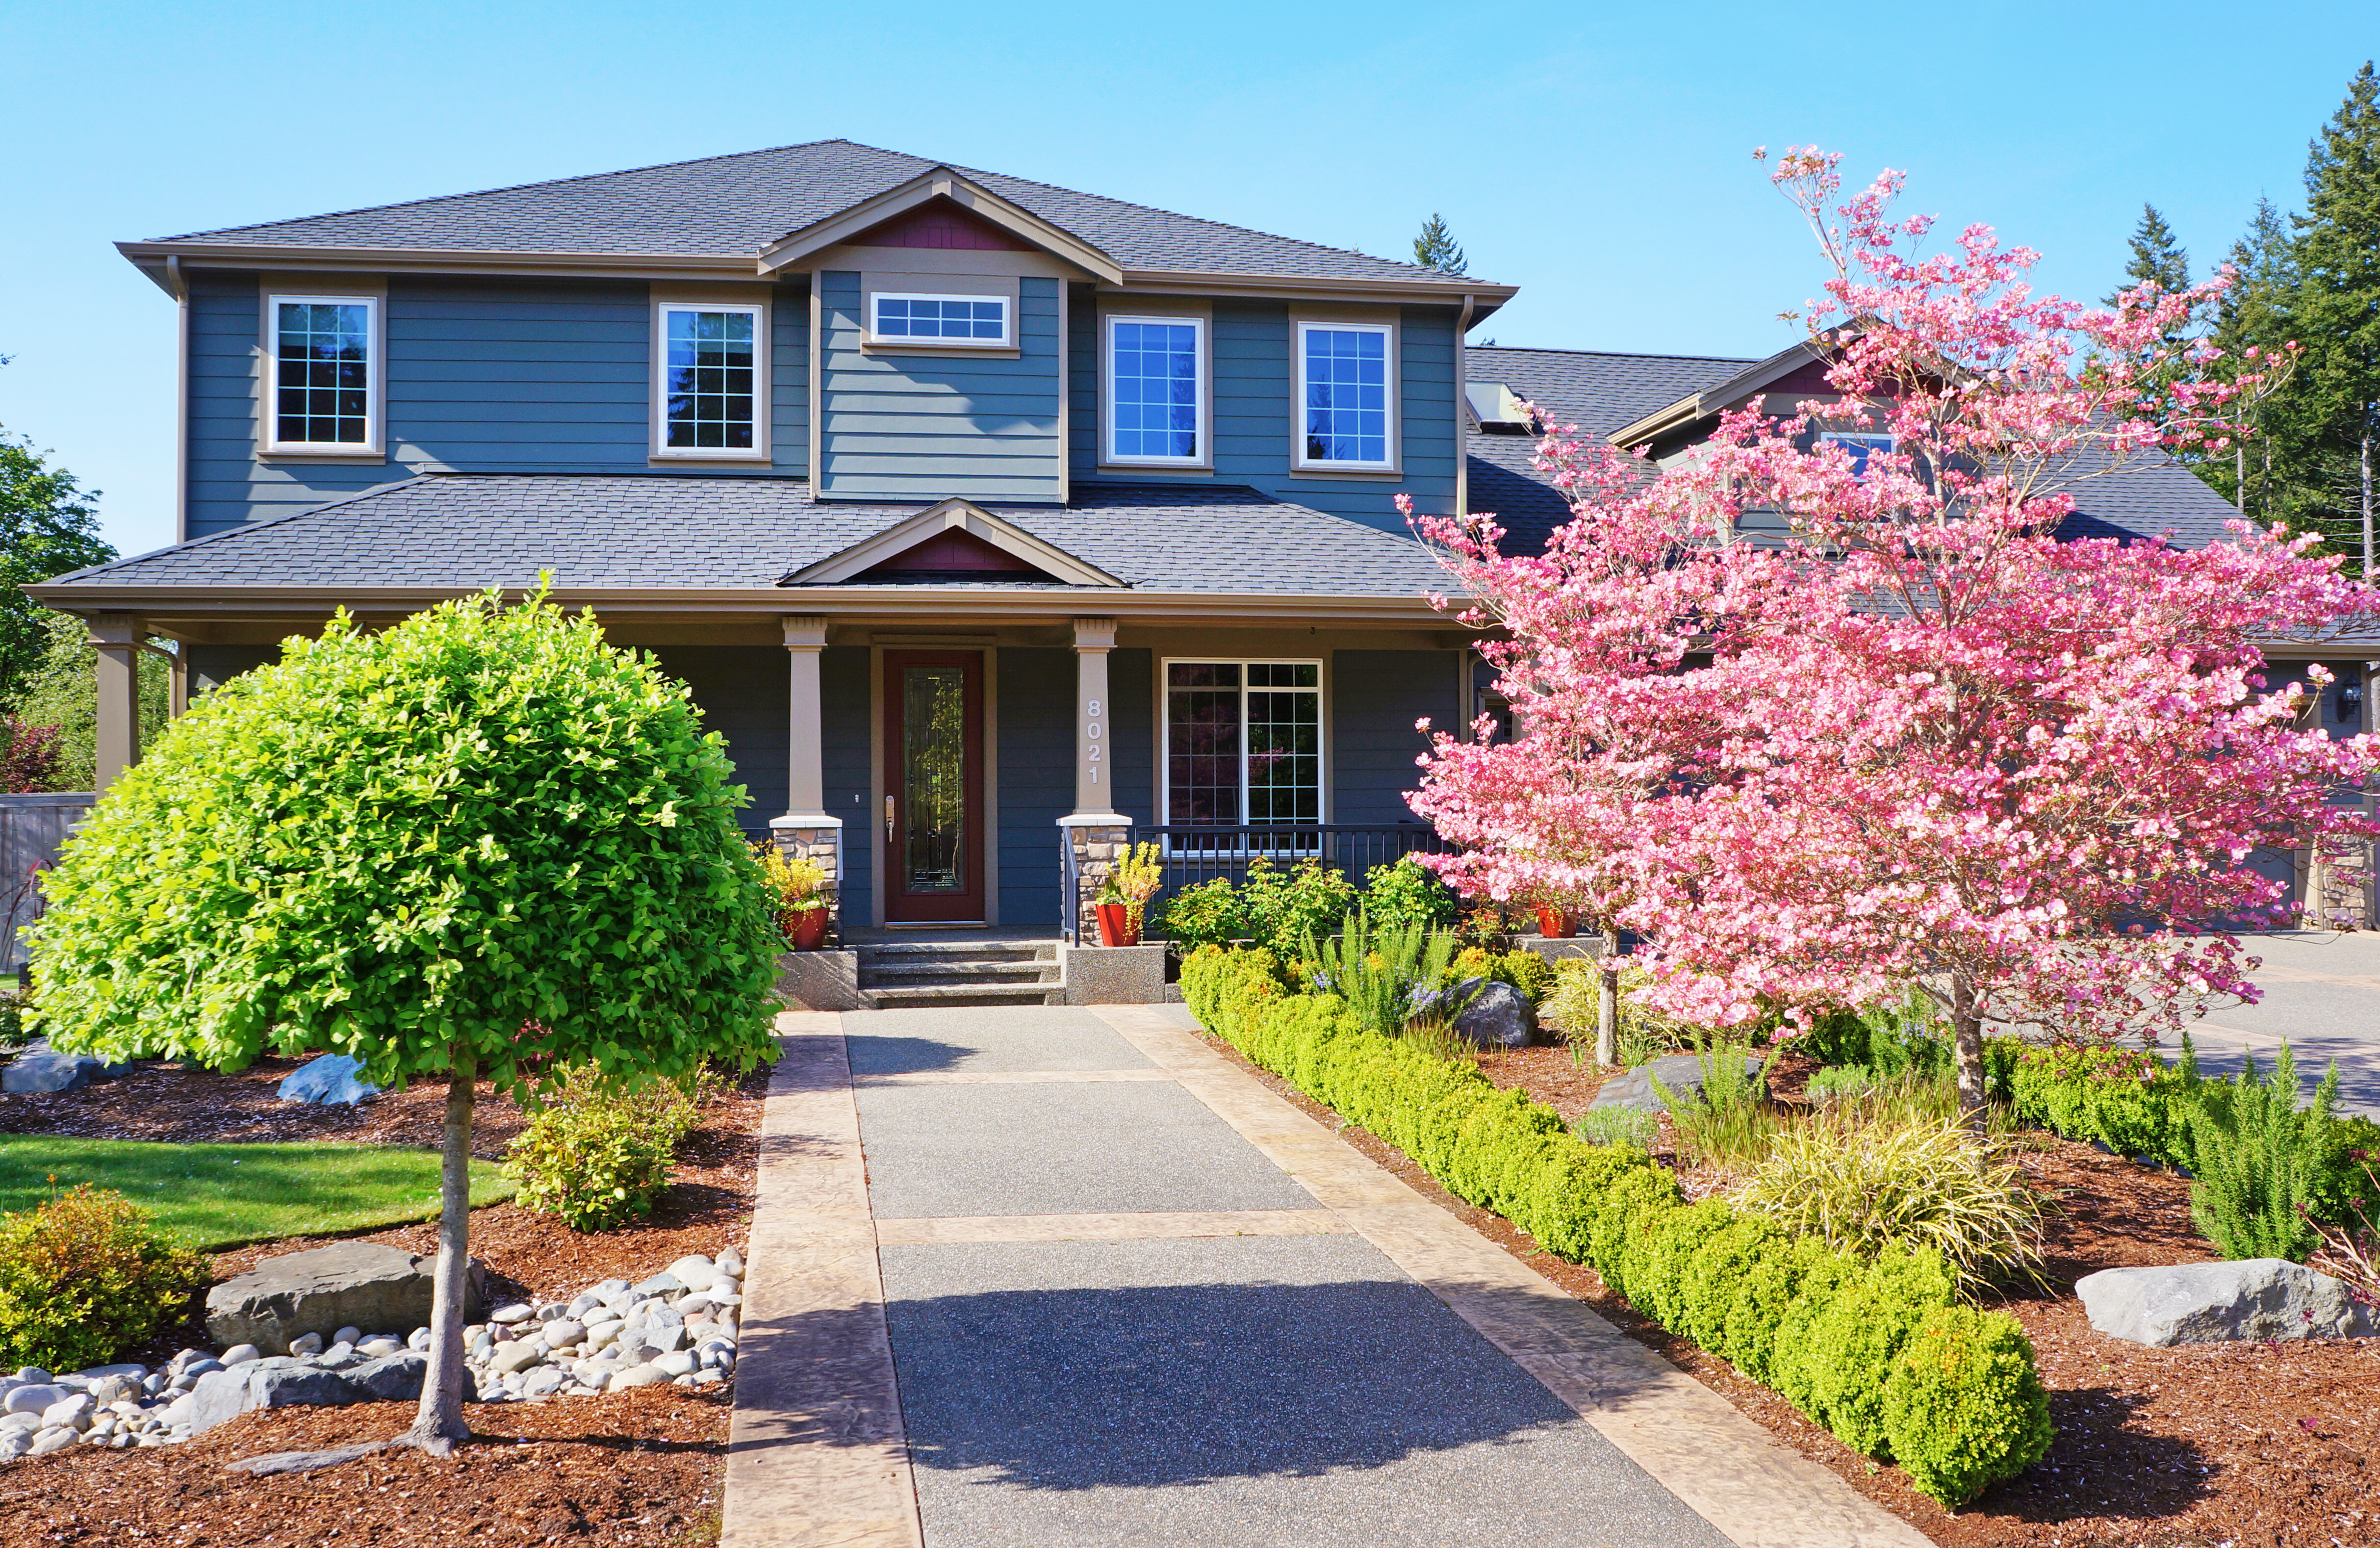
(642, 1467)
(2246, 1446)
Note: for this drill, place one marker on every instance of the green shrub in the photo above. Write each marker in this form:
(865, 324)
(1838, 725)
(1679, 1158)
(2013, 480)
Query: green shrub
(2259, 1160)
(1729, 1121)
(1836, 1083)
(1892, 1037)
(1285, 907)
(1867, 1189)
(1618, 1125)
(2344, 1188)
(86, 1277)
(1206, 915)
(1402, 892)
(1705, 1270)
(1376, 971)
(1963, 1406)
(598, 1153)
(12, 1021)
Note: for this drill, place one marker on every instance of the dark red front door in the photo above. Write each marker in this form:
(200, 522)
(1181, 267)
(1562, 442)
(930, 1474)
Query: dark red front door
(933, 778)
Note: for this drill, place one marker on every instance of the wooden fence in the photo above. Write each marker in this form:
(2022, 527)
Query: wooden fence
(31, 830)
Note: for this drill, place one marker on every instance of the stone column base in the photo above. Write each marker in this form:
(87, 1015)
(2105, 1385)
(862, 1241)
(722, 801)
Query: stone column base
(814, 835)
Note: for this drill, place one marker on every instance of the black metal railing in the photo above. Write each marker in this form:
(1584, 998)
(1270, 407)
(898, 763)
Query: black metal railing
(1189, 854)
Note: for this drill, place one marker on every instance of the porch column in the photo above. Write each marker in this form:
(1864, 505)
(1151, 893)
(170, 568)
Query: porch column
(117, 637)
(1097, 833)
(807, 831)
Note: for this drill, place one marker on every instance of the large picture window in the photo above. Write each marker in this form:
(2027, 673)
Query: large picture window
(1347, 396)
(323, 373)
(1243, 742)
(1157, 390)
(712, 398)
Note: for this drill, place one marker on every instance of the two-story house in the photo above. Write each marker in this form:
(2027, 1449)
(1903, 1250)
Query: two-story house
(985, 520)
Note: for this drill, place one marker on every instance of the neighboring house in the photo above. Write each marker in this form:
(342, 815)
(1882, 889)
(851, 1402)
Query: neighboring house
(985, 519)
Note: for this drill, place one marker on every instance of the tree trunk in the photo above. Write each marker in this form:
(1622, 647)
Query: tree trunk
(439, 1423)
(2239, 463)
(1607, 1005)
(2364, 464)
(1967, 1024)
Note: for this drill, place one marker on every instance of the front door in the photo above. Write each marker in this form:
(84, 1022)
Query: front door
(933, 803)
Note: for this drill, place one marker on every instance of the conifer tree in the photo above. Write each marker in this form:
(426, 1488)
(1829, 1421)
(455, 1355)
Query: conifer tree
(2338, 308)
(2157, 257)
(2255, 314)
(1437, 249)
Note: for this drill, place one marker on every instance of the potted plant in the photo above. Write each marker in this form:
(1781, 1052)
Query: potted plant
(1555, 922)
(800, 889)
(1123, 902)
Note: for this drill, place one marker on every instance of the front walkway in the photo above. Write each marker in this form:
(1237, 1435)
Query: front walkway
(1059, 1277)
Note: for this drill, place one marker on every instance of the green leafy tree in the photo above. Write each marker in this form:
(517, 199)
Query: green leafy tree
(482, 844)
(48, 526)
(2157, 257)
(2338, 308)
(62, 691)
(1437, 249)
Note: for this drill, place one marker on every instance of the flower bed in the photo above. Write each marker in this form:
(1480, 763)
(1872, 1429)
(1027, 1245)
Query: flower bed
(1881, 1354)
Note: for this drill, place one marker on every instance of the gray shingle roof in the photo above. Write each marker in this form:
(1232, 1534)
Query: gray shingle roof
(472, 530)
(1600, 393)
(735, 205)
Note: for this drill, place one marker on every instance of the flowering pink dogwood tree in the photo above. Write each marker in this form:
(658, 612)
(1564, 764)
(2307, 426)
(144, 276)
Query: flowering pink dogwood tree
(1820, 728)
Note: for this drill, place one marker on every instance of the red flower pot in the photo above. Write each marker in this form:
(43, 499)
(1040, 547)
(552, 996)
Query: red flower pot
(1555, 924)
(808, 930)
(1117, 927)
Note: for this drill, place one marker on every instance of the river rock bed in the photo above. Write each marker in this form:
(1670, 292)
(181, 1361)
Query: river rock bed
(680, 1326)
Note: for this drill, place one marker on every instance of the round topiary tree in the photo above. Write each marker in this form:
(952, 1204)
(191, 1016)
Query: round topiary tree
(481, 845)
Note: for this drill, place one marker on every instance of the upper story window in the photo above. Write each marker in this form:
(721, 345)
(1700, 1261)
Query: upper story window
(1860, 447)
(325, 373)
(1157, 391)
(1347, 398)
(712, 397)
(978, 321)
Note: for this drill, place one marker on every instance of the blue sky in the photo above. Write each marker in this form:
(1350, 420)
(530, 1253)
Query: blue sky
(1599, 158)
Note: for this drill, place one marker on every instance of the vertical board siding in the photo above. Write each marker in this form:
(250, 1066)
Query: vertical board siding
(1376, 696)
(742, 691)
(1254, 360)
(483, 375)
(1035, 777)
(926, 427)
(845, 714)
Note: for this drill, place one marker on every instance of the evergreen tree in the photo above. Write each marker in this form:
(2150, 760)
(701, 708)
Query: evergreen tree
(1437, 249)
(2339, 314)
(2256, 315)
(2157, 258)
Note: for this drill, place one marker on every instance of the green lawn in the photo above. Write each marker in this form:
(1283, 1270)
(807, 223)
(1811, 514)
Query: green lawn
(224, 1196)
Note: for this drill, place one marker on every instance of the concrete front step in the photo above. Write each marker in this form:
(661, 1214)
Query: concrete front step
(965, 951)
(889, 974)
(966, 994)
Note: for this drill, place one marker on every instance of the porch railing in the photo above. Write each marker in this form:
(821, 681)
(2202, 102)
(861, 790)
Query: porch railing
(1189, 854)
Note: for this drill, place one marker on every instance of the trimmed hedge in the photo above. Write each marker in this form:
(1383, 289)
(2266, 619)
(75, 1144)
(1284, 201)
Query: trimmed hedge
(1879, 1353)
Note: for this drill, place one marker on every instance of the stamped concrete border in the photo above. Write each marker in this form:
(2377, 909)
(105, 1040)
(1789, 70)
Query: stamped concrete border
(1693, 1442)
(816, 1452)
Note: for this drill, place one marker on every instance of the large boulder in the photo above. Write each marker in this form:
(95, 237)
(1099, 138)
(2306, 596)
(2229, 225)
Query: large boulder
(1681, 1073)
(40, 1070)
(2214, 1303)
(356, 1284)
(330, 1080)
(283, 1382)
(1493, 1015)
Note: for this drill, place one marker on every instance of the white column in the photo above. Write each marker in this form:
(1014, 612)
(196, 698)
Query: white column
(807, 831)
(1094, 719)
(117, 742)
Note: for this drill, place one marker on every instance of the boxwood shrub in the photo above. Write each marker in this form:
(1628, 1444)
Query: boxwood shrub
(1880, 1353)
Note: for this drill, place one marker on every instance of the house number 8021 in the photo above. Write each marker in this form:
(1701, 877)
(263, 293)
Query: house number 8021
(1091, 738)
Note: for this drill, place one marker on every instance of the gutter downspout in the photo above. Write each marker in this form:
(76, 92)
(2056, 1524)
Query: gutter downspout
(181, 289)
(1463, 411)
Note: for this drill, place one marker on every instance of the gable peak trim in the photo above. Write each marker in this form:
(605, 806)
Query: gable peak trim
(941, 182)
(952, 514)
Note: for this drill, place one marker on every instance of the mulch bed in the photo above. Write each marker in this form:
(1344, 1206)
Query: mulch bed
(644, 1467)
(2250, 1445)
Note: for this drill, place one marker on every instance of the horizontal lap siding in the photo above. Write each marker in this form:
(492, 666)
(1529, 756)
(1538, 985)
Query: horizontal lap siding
(845, 714)
(548, 376)
(1036, 779)
(1376, 696)
(926, 427)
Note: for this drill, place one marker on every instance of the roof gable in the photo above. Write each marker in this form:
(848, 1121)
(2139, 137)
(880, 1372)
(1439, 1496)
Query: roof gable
(942, 187)
(958, 530)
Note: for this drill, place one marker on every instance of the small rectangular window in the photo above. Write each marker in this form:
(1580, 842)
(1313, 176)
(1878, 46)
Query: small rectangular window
(710, 400)
(322, 372)
(973, 321)
(1347, 403)
(1155, 390)
(1860, 446)
(1242, 743)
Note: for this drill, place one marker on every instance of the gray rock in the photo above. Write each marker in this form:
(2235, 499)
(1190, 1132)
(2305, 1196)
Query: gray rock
(544, 1382)
(2214, 1303)
(347, 1336)
(344, 1286)
(273, 1382)
(102, 1372)
(375, 1348)
(695, 1272)
(33, 1374)
(332, 1080)
(48, 1440)
(583, 1305)
(306, 1344)
(731, 1264)
(418, 1339)
(396, 1377)
(679, 1362)
(73, 1412)
(201, 1366)
(15, 1444)
(608, 1288)
(518, 1355)
(26, 1422)
(1682, 1073)
(40, 1070)
(341, 1357)
(638, 1376)
(32, 1397)
(661, 1284)
(505, 1316)
(241, 1354)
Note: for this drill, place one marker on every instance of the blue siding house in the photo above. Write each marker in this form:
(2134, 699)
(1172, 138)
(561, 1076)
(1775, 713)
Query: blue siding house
(990, 522)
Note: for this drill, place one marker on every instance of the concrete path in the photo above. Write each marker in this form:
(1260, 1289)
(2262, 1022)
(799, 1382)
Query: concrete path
(1055, 1276)
(2321, 992)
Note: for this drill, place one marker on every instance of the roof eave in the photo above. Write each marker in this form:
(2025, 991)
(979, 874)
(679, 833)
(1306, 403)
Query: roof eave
(1707, 404)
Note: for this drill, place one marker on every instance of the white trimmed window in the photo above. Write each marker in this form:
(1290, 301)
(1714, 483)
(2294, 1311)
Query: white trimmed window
(1157, 391)
(1347, 400)
(969, 322)
(325, 373)
(1243, 742)
(711, 392)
